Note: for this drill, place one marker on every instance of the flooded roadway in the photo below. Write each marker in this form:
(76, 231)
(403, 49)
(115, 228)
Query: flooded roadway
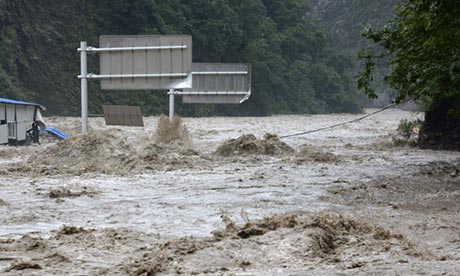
(134, 207)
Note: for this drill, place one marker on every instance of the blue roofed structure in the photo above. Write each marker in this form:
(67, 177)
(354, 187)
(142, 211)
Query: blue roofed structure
(16, 117)
(14, 102)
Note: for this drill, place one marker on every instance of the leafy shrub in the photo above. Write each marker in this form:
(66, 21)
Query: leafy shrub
(407, 132)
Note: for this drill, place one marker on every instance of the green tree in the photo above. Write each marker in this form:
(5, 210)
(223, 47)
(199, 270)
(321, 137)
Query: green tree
(421, 47)
(421, 43)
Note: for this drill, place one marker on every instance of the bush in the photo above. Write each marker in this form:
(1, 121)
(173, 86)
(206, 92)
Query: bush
(407, 132)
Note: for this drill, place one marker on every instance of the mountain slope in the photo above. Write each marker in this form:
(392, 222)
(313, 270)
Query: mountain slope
(294, 68)
(345, 18)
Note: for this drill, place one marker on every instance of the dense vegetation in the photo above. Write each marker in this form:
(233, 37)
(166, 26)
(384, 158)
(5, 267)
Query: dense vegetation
(345, 20)
(421, 44)
(294, 68)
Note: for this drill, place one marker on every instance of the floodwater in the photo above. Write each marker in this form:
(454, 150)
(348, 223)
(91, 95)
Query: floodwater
(344, 201)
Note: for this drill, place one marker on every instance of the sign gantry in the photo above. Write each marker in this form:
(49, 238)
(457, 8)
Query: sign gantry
(162, 62)
(148, 62)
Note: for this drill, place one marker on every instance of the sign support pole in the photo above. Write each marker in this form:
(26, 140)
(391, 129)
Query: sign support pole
(171, 104)
(84, 87)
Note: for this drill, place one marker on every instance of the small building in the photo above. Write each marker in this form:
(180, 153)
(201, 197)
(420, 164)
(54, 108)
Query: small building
(16, 118)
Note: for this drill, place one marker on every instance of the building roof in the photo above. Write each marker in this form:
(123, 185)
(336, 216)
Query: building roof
(8, 101)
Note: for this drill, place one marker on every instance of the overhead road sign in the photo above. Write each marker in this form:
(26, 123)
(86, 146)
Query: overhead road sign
(147, 62)
(162, 62)
(216, 83)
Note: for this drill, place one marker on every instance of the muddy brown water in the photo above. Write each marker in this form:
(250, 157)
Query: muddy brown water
(339, 202)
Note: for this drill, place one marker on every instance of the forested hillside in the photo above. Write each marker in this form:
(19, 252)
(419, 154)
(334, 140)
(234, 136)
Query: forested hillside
(295, 70)
(345, 20)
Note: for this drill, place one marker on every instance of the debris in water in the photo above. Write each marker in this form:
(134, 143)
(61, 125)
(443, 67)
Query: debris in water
(102, 152)
(250, 229)
(70, 230)
(106, 152)
(309, 153)
(64, 192)
(22, 265)
(249, 145)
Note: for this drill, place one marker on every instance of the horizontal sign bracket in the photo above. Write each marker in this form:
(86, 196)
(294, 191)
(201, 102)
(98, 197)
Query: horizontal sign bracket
(210, 93)
(127, 76)
(212, 73)
(140, 48)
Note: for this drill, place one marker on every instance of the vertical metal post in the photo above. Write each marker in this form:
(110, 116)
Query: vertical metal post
(171, 104)
(84, 87)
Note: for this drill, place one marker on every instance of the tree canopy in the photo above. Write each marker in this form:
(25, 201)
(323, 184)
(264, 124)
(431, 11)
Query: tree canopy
(421, 45)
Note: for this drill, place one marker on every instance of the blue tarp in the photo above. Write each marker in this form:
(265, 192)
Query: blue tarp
(56, 133)
(8, 101)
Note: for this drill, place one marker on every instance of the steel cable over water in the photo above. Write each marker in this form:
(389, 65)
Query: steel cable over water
(343, 123)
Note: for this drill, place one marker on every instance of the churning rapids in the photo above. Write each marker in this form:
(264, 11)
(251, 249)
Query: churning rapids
(233, 199)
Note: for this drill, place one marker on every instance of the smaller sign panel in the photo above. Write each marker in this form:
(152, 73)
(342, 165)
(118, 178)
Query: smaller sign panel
(147, 62)
(226, 83)
(118, 115)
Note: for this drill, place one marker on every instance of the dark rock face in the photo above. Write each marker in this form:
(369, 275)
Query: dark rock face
(441, 129)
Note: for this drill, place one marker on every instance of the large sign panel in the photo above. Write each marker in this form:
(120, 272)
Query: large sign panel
(145, 62)
(219, 83)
